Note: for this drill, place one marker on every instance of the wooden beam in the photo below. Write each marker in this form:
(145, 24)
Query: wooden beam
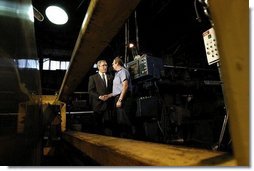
(112, 151)
(102, 22)
(231, 19)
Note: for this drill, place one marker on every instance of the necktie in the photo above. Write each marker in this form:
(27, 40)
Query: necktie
(104, 80)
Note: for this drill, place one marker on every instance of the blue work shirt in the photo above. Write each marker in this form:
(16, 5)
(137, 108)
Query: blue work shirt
(120, 76)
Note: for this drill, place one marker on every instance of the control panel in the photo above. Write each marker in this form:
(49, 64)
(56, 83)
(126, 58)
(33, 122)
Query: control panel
(145, 67)
(211, 49)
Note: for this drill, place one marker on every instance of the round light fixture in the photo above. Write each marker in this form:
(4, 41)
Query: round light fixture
(56, 15)
(131, 45)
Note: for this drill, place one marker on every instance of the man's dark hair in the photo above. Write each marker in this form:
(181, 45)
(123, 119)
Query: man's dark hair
(118, 60)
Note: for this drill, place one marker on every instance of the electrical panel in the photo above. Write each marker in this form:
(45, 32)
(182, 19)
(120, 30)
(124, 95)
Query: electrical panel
(145, 67)
(211, 48)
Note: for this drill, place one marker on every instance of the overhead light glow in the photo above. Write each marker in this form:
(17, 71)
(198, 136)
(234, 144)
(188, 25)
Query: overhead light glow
(131, 45)
(56, 15)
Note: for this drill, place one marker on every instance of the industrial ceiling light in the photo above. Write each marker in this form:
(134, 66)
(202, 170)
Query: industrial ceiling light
(131, 45)
(56, 15)
(134, 50)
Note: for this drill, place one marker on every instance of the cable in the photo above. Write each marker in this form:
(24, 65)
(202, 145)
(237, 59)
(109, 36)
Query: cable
(196, 11)
(80, 4)
(126, 41)
(136, 26)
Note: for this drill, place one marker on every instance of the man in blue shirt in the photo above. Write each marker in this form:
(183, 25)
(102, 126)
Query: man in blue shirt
(121, 92)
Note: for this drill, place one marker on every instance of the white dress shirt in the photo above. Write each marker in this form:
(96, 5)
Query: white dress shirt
(105, 76)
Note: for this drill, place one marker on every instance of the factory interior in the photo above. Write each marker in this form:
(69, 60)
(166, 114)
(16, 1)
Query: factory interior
(189, 70)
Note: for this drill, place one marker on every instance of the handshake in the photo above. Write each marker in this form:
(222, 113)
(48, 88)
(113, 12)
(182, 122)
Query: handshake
(105, 97)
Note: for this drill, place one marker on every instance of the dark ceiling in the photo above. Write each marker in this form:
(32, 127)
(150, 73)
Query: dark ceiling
(57, 41)
(167, 29)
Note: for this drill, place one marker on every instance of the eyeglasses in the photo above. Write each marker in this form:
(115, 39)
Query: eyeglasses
(104, 65)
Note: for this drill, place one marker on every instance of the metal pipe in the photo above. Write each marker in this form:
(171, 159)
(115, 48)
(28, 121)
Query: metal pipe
(126, 41)
(136, 26)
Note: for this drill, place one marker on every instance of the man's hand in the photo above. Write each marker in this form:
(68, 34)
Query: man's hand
(118, 104)
(104, 97)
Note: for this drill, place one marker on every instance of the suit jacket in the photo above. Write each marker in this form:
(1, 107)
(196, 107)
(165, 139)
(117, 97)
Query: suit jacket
(96, 88)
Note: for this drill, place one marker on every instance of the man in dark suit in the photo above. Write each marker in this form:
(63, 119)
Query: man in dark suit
(99, 85)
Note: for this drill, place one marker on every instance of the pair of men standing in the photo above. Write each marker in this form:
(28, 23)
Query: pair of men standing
(109, 97)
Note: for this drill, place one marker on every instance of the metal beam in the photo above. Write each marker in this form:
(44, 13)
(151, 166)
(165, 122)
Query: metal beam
(112, 151)
(101, 23)
(231, 19)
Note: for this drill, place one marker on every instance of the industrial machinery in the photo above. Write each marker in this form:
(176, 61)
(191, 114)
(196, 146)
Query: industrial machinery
(177, 99)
